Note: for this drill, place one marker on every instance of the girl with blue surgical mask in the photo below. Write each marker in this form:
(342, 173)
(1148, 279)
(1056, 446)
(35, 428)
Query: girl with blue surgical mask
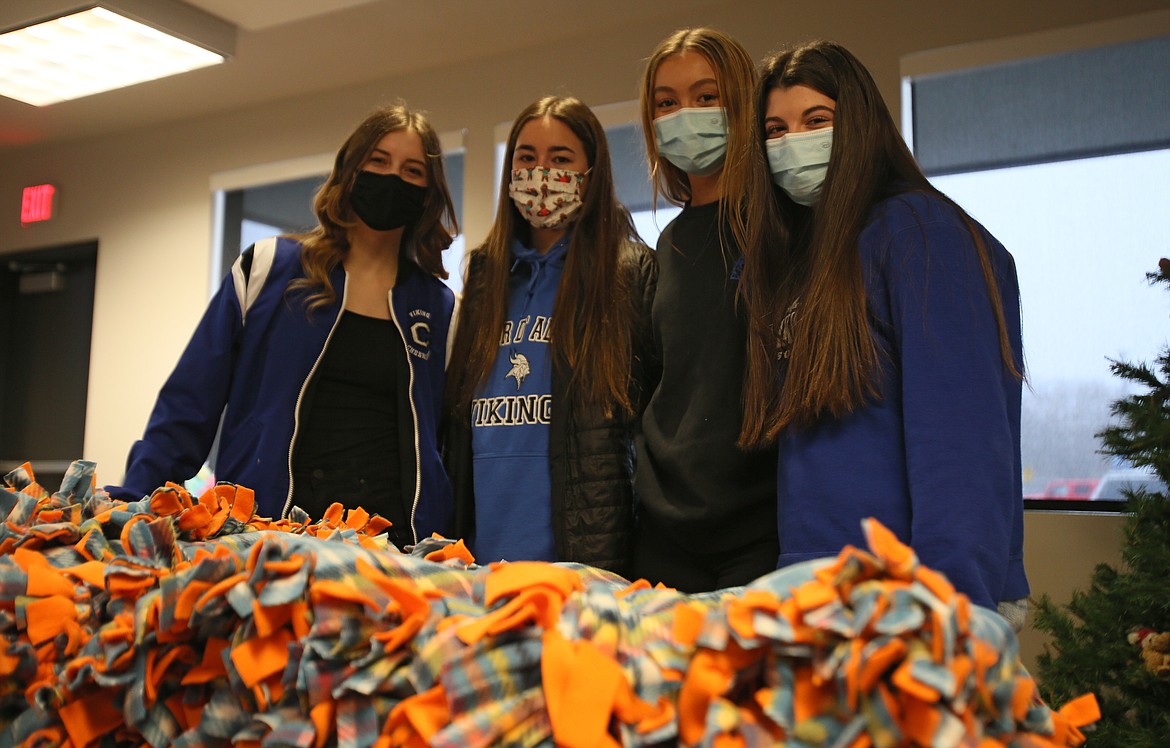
(707, 508)
(548, 369)
(885, 342)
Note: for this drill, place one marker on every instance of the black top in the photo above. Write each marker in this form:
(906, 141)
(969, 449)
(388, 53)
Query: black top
(693, 483)
(347, 446)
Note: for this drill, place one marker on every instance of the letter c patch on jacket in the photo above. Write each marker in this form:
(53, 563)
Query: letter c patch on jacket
(420, 332)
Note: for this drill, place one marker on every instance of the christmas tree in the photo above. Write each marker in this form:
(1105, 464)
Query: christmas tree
(1096, 640)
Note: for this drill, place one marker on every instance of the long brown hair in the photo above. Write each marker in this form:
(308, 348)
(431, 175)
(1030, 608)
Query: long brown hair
(743, 182)
(592, 317)
(833, 357)
(326, 245)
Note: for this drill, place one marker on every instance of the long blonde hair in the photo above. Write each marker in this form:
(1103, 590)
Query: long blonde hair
(591, 329)
(325, 246)
(744, 182)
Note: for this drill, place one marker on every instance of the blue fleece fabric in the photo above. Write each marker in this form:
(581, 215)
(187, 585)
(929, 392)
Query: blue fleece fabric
(937, 458)
(510, 419)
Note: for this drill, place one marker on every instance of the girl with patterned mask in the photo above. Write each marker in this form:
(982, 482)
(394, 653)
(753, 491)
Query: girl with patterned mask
(551, 355)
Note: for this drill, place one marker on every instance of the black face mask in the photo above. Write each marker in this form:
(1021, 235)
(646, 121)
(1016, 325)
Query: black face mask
(386, 201)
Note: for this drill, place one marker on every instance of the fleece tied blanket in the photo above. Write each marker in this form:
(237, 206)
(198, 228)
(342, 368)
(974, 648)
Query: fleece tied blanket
(181, 621)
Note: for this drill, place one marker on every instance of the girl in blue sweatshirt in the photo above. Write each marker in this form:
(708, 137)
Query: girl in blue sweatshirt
(892, 319)
(549, 359)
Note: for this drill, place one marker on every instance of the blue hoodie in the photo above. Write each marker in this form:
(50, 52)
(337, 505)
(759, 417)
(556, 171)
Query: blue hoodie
(510, 418)
(937, 458)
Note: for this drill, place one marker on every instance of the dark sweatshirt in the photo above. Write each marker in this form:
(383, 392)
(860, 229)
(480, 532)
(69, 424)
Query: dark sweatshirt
(693, 483)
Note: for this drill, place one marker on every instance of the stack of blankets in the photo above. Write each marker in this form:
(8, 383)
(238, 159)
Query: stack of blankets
(190, 621)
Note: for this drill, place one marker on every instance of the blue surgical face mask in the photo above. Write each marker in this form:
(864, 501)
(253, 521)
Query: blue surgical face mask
(694, 139)
(799, 161)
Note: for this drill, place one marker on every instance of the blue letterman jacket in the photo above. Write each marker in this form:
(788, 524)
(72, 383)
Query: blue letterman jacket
(249, 361)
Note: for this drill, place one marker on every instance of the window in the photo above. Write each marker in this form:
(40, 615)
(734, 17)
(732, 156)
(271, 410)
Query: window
(1065, 158)
(453, 257)
(631, 178)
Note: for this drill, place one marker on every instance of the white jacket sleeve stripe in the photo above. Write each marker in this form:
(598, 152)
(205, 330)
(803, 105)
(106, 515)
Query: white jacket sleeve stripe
(451, 329)
(248, 287)
(262, 256)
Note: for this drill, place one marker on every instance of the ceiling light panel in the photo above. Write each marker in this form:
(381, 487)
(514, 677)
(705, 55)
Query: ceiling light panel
(89, 52)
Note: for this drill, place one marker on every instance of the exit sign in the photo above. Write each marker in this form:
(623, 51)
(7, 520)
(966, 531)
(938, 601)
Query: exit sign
(37, 203)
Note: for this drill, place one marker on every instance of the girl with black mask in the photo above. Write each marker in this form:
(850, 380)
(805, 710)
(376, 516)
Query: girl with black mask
(324, 353)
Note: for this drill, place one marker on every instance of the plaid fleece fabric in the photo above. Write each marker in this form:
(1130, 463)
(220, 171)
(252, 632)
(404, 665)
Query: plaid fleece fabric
(176, 621)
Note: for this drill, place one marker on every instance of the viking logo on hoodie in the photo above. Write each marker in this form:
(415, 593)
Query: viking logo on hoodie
(511, 415)
(520, 368)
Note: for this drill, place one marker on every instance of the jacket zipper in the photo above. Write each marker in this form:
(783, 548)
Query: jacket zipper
(300, 395)
(413, 415)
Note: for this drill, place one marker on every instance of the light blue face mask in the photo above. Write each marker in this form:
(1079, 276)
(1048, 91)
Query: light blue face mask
(694, 139)
(799, 161)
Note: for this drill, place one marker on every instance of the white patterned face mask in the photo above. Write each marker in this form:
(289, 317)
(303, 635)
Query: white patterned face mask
(547, 198)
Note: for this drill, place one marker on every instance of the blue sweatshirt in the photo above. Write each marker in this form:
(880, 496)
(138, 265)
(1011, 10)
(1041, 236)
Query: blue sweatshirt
(510, 419)
(937, 458)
